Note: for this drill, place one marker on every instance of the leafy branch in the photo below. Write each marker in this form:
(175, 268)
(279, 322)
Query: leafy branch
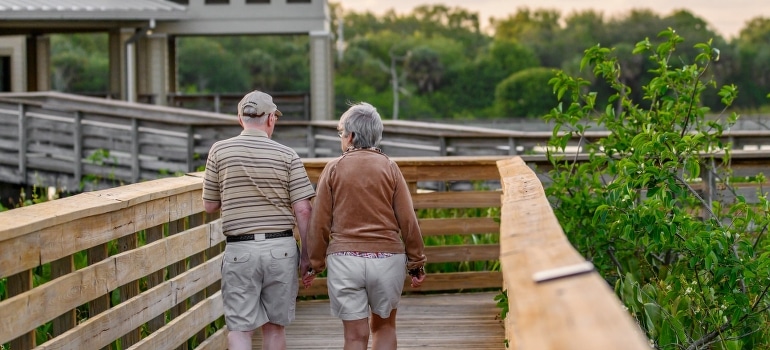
(631, 208)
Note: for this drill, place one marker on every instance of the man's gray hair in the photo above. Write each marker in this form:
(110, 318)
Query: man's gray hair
(364, 122)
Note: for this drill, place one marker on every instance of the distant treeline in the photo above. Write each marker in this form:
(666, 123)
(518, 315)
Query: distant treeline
(440, 63)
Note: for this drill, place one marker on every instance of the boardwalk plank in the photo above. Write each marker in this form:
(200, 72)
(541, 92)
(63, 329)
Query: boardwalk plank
(436, 321)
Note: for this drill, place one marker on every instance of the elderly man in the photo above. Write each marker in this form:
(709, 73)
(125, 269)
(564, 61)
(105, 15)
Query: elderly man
(263, 191)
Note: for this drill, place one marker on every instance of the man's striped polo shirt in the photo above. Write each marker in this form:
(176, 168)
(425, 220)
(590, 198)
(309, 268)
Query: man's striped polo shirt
(257, 180)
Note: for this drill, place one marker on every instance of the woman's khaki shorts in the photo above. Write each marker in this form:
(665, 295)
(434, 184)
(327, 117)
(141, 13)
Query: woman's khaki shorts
(357, 284)
(259, 283)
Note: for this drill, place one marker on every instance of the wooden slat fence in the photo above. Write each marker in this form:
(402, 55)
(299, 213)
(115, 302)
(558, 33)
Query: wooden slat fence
(463, 229)
(293, 105)
(140, 262)
(71, 141)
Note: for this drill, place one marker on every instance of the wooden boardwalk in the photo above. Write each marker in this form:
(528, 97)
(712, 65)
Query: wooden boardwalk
(436, 321)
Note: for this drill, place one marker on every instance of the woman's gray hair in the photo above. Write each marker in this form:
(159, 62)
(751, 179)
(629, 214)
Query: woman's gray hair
(364, 122)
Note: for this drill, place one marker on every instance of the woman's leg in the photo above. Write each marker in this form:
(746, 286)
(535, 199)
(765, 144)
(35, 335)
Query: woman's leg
(384, 332)
(356, 334)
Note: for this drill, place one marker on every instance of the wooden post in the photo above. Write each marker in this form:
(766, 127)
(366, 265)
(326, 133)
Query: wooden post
(311, 142)
(191, 148)
(102, 303)
(135, 172)
(130, 289)
(22, 143)
(15, 285)
(176, 269)
(512, 146)
(443, 153)
(67, 320)
(77, 136)
(212, 252)
(154, 234)
(195, 260)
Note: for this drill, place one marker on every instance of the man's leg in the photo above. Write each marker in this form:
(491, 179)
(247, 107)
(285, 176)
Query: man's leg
(239, 340)
(356, 334)
(273, 337)
(384, 332)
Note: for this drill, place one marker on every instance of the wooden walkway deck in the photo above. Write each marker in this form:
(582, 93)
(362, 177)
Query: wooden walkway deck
(436, 321)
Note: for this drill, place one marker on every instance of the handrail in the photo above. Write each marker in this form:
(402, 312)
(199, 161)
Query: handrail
(55, 139)
(555, 299)
(151, 245)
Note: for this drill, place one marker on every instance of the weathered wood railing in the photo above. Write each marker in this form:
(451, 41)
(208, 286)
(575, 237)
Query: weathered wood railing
(293, 106)
(71, 141)
(554, 301)
(140, 263)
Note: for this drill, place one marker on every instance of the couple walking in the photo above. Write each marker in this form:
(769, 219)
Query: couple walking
(358, 224)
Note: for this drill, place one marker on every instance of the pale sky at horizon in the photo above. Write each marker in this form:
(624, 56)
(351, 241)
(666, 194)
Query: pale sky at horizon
(726, 17)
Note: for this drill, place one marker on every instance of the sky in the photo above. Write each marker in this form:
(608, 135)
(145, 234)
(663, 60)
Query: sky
(726, 17)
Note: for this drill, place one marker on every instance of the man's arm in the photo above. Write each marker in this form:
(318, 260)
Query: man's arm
(302, 211)
(211, 206)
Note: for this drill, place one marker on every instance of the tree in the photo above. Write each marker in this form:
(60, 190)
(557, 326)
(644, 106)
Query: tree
(262, 69)
(205, 66)
(525, 94)
(754, 55)
(583, 29)
(539, 30)
(472, 86)
(424, 68)
(692, 271)
(79, 63)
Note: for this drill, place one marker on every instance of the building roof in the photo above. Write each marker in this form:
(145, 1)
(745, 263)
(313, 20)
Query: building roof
(41, 17)
(90, 9)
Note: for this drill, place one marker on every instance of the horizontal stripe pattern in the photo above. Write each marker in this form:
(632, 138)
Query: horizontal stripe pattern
(256, 179)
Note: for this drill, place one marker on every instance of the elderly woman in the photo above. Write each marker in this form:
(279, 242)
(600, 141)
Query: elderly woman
(364, 231)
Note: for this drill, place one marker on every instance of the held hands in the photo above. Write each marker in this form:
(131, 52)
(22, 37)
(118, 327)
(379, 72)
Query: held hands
(417, 277)
(306, 272)
(308, 277)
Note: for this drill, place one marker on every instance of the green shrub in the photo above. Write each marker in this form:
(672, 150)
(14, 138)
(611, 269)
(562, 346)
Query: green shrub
(692, 272)
(525, 93)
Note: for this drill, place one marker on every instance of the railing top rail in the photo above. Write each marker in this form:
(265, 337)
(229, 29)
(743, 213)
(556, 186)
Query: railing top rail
(61, 101)
(552, 303)
(185, 116)
(21, 221)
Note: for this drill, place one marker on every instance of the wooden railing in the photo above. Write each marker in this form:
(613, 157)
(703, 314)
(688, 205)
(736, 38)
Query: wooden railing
(293, 105)
(73, 142)
(140, 263)
(555, 299)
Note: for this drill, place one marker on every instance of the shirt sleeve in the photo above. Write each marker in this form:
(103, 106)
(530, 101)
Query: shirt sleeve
(299, 184)
(407, 221)
(319, 234)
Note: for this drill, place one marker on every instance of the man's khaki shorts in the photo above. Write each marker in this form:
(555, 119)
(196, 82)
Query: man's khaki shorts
(259, 283)
(357, 285)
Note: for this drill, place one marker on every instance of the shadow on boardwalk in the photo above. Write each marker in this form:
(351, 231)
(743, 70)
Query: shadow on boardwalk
(437, 321)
